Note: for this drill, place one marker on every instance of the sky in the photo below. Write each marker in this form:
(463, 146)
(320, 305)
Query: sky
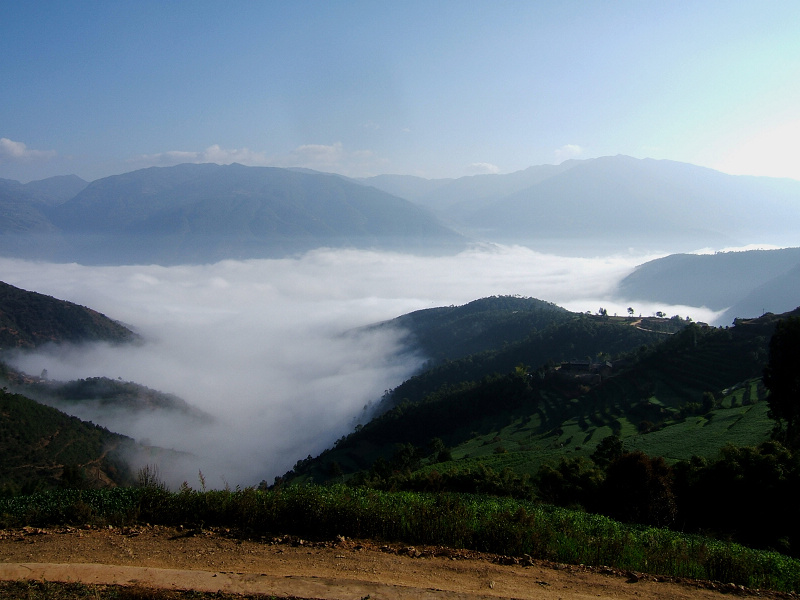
(434, 89)
(271, 348)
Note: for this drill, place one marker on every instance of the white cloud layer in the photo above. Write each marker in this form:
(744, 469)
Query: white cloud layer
(266, 346)
(18, 151)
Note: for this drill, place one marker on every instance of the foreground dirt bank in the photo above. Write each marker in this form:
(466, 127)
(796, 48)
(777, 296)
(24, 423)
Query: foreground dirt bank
(171, 558)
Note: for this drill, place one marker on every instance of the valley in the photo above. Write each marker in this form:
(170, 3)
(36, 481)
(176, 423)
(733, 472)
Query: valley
(371, 300)
(268, 352)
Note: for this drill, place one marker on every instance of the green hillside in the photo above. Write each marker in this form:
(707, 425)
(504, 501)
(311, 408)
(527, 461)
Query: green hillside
(452, 332)
(41, 447)
(560, 336)
(29, 319)
(676, 433)
(672, 395)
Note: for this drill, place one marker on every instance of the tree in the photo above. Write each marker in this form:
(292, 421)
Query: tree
(782, 378)
(638, 489)
(709, 402)
(631, 311)
(607, 451)
(335, 471)
(436, 445)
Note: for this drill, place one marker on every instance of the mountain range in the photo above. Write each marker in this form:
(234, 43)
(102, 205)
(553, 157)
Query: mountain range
(206, 213)
(612, 202)
(196, 213)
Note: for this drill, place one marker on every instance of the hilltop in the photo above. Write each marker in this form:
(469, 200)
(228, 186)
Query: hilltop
(29, 319)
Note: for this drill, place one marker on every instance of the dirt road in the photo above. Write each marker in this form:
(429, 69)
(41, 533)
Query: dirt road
(162, 557)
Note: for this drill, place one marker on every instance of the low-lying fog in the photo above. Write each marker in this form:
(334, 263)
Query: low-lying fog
(267, 346)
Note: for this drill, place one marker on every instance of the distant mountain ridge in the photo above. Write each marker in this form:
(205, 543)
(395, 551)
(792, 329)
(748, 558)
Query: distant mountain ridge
(50, 191)
(204, 213)
(747, 284)
(194, 213)
(465, 193)
(618, 200)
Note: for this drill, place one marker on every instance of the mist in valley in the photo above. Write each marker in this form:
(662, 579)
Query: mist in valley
(273, 349)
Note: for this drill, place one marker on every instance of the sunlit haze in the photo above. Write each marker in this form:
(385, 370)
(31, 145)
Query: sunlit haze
(440, 89)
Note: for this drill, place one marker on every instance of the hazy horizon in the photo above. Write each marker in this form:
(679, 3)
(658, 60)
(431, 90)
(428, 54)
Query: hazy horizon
(363, 88)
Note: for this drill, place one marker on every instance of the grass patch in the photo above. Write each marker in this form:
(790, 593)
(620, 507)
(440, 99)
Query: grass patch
(704, 435)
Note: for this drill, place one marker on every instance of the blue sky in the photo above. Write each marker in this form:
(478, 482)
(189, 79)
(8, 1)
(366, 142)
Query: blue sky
(436, 89)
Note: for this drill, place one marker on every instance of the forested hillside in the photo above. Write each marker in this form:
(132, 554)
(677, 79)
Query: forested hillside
(41, 447)
(30, 319)
(565, 336)
(498, 409)
(452, 332)
(641, 436)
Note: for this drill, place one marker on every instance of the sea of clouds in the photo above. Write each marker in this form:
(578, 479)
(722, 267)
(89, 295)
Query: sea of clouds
(271, 348)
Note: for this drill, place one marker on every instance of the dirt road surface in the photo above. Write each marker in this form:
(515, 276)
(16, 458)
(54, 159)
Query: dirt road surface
(342, 569)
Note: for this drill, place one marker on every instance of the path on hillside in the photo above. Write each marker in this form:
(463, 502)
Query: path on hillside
(342, 569)
(638, 325)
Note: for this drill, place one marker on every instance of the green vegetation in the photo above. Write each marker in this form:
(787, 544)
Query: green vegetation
(695, 391)
(29, 319)
(453, 332)
(491, 524)
(565, 338)
(782, 377)
(672, 434)
(41, 447)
